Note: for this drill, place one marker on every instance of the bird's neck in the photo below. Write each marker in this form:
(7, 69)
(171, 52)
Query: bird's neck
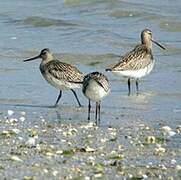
(48, 59)
(147, 43)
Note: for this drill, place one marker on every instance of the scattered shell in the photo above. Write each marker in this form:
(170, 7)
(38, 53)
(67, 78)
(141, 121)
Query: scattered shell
(87, 178)
(13, 120)
(29, 178)
(151, 140)
(166, 128)
(116, 156)
(103, 140)
(63, 140)
(89, 149)
(7, 133)
(178, 167)
(44, 130)
(163, 167)
(113, 152)
(98, 175)
(159, 150)
(147, 128)
(55, 173)
(173, 161)
(76, 169)
(170, 178)
(42, 120)
(111, 129)
(120, 147)
(51, 146)
(20, 138)
(91, 160)
(59, 130)
(45, 170)
(50, 154)
(160, 176)
(16, 131)
(87, 126)
(16, 158)
(69, 143)
(7, 121)
(10, 112)
(171, 133)
(22, 118)
(130, 175)
(33, 132)
(144, 176)
(30, 142)
(59, 152)
(167, 131)
(70, 132)
(38, 147)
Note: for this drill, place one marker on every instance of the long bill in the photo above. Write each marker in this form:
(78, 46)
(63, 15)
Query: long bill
(158, 44)
(33, 58)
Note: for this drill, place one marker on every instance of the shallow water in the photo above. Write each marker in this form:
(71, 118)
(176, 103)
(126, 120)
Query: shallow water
(91, 35)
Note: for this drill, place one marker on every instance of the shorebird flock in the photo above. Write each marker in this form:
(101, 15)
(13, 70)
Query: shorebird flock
(134, 65)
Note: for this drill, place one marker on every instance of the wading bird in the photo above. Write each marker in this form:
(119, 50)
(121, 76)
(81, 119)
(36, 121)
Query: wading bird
(137, 63)
(61, 75)
(95, 88)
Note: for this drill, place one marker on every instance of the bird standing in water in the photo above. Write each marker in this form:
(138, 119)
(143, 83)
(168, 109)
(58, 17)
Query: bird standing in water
(61, 75)
(137, 63)
(95, 88)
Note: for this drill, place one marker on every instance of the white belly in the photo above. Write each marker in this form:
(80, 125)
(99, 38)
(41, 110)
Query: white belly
(61, 84)
(136, 73)
(94, 91)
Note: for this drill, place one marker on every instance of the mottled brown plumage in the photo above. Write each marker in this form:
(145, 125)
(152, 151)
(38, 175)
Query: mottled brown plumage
(61, 75)
(99, 78)
(63, 71)
(137, 63)
(95, 88)
(140, 57)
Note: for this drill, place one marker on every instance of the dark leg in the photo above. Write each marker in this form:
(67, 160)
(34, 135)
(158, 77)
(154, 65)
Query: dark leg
(76, 97)
(137, 88)
(129, 88)
(89, 109)
(60, 95)
(99, 110)
(96, 110)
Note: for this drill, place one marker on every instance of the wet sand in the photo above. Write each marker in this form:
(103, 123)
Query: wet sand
(49, 145)
(138, 136)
